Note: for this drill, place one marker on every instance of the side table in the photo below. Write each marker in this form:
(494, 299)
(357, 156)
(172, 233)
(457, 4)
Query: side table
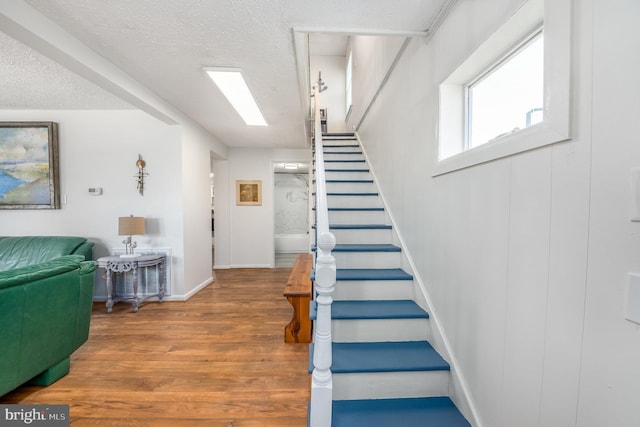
(116, 264)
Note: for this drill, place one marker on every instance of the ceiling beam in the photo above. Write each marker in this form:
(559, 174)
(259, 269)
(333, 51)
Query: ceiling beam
(360, 32)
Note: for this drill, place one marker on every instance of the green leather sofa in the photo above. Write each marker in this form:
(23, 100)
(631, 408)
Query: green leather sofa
(46, 292)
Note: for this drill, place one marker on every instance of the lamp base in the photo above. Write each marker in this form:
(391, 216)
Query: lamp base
(129, 255)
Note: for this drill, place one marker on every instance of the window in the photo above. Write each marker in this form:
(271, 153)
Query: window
(481, 88)
(508, 97)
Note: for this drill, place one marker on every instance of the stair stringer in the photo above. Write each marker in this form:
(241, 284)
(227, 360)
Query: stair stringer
(458, 388)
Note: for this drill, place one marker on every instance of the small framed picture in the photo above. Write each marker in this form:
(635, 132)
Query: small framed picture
(248, 193)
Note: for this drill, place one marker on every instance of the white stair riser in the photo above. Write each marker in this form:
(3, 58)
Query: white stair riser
(344, 148)
(379, 330)
(359, 173)
(354, 202)
(357, 236)
(333, 140)
(351, 187)
(384, 385)
(373, 290)
(348, 175)
(345, 165)
(368, 259)
(357, 217)
(343, 156)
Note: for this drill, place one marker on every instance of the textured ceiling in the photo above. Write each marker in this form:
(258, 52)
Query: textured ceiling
(164, 44)
(33, 81)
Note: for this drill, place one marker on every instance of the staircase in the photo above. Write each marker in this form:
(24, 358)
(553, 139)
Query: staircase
(385, 372)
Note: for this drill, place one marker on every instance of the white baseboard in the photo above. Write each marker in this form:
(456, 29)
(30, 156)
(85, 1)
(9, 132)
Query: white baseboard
(251, 266)
(192, 292)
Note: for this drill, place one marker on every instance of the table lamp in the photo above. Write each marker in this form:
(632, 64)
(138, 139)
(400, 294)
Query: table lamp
(130, 226)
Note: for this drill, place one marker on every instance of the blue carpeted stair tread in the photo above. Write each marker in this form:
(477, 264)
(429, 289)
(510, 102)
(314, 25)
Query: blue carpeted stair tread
(364, 357)
(368, 274)
(372, 309)
(367, 194)
(386, 357)
(354, 209)
(359, 227)
(372, 274)
(347, 181)
(370, 247)
(377, 309)
(411, 412)
(345, 170)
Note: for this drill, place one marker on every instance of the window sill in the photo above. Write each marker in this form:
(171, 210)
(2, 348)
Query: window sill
(536, 136)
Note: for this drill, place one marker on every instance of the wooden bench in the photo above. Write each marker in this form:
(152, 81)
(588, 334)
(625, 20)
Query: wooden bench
(298, 292)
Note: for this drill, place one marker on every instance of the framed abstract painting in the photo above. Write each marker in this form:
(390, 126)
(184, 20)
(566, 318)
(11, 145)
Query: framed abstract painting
(29, 165)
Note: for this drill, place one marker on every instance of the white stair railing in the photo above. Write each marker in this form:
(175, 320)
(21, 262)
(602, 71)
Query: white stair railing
(325, 281)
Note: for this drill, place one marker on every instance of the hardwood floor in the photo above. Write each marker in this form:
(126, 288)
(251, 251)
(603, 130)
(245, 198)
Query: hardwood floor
(218, 359)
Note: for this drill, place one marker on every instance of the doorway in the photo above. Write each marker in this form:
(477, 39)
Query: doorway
(291, 211)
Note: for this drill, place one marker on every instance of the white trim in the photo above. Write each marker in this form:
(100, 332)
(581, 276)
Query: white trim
(192, 292)
(251, 266)
(557, 89)
(360, 31)
(185, 297)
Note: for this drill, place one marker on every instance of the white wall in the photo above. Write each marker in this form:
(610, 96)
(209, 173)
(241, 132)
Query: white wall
(196, 208)
(100, 149)
(334, 98)
(246, 236)
(372, 58)
(524, 259)
(222, 239)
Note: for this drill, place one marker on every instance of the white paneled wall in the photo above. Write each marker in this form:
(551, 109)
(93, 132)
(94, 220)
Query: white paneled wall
(610, 373)
(524, 259)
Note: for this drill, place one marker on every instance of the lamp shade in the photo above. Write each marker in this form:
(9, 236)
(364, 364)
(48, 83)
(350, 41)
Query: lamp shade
(131, 225)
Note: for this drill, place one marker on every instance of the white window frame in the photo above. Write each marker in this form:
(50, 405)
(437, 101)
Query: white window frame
(469, 88)
(555, 15)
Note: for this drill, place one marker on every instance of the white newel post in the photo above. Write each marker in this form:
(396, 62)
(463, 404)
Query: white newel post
(321, 382)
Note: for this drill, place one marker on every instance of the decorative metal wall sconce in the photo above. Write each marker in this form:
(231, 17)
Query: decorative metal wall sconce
(141, 174)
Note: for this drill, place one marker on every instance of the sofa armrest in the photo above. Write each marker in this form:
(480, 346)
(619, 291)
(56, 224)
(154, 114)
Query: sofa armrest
(87, 267)
(85, 249)
(31, 273)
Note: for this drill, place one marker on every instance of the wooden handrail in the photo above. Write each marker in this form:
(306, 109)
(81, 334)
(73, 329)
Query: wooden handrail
(325, 280)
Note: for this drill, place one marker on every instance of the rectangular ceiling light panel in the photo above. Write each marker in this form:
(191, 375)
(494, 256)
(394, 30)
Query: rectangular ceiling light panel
(235, 89)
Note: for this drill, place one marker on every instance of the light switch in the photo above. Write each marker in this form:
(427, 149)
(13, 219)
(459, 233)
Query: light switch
(635, 194)
(633, 298)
